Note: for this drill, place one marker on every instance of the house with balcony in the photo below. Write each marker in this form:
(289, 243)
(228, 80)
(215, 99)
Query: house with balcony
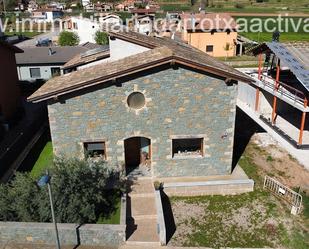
(280, 90)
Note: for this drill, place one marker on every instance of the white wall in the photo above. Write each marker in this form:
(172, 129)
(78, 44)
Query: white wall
(24, 72)
(118, 49)
(85, 29)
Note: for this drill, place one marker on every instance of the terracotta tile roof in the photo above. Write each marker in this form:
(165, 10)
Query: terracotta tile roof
(163, 51)
(209, 21)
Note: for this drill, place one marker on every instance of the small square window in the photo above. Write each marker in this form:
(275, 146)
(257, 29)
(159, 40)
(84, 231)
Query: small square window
(35, 73)
(95, 149)
(209, 48)
(55, 71)
(187, 147)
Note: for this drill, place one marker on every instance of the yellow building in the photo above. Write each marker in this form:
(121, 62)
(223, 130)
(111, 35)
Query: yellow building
(213, 33)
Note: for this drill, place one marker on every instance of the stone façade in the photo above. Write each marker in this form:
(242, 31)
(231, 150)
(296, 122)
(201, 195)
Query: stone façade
(180, 102)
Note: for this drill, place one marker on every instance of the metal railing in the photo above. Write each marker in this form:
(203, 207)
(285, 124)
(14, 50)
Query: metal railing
(289, 195)
(282, 89)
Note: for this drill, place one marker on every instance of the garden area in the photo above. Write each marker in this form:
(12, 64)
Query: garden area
(84, 191)
(256, 219)
(287, 24)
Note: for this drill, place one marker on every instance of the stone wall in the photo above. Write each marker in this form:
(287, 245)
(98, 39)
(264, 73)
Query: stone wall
(179, 102)
(69, 234)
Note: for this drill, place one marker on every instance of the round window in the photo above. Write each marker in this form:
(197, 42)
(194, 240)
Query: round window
(136, 100)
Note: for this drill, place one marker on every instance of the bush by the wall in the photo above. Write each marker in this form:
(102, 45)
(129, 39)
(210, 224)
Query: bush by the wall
(82, 190)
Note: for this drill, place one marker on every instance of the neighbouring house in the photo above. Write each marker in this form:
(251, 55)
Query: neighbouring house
(125, 5)
(280, 91)
(9, 91)
(42, 63)
(32, 6)
(142, 20)
(89, 58)
(213, 33)
(86, 28)
(46, 15)
(166, 109)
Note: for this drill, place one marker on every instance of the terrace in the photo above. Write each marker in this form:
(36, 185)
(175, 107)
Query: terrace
(280, 92)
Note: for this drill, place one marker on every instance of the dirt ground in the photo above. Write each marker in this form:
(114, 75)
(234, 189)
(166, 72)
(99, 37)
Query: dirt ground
(275, 161)
(256, 219)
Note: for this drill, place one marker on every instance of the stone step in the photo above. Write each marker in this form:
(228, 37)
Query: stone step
(143, 231)
(143, 206)
(141, 187)
(141, 245)
(143, 217)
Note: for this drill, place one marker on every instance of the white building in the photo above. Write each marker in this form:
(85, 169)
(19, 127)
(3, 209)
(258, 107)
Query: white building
(46, 15)
(42, 63)
(86, 28)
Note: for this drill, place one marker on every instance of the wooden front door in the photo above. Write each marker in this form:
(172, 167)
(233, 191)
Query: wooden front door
(132, 148)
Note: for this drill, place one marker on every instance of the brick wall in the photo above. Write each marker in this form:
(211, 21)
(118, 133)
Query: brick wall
(178, 102)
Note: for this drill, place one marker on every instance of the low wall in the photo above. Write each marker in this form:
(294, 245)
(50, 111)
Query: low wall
(222, 187)
(160, 218)
(69, 234)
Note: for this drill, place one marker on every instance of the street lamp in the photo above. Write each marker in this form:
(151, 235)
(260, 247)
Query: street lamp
(45, 180)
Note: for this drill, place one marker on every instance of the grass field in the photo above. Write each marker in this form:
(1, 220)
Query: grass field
(44, 161)
(26, 33)
(287, 24)
(114, 218)
(250, 6)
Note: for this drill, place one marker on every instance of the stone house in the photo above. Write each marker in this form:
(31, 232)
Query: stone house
(166, 111)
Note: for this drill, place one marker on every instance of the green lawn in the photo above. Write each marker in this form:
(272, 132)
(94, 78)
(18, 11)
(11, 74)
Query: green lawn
(44, 161)
(286, 25)
(26, 33)
(114, 218)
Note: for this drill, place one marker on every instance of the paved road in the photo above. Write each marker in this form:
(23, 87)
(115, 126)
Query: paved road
(32, 42)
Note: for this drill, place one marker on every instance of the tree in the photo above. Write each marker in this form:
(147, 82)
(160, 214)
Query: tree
(67, 38)
(101, 38)
(82, 190)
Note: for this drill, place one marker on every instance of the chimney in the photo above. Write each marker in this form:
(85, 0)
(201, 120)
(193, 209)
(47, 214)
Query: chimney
(192, 21)
(50, 51)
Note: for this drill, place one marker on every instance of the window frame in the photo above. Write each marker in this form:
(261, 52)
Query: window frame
(55, 74)
(31, 74)
(85, 150)
(183, 156)
(212, 50)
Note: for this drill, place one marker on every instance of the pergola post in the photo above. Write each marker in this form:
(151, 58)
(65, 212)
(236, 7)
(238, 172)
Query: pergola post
(302, 124)
(260, 66)
(257, 99)
(273, 116)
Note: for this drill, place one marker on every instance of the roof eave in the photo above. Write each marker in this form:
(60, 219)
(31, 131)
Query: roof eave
(225, 74)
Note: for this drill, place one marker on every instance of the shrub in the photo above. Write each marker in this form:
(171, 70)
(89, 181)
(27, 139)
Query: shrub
(82, 190)
(239, 6)
(101, 38)
(67, 38)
